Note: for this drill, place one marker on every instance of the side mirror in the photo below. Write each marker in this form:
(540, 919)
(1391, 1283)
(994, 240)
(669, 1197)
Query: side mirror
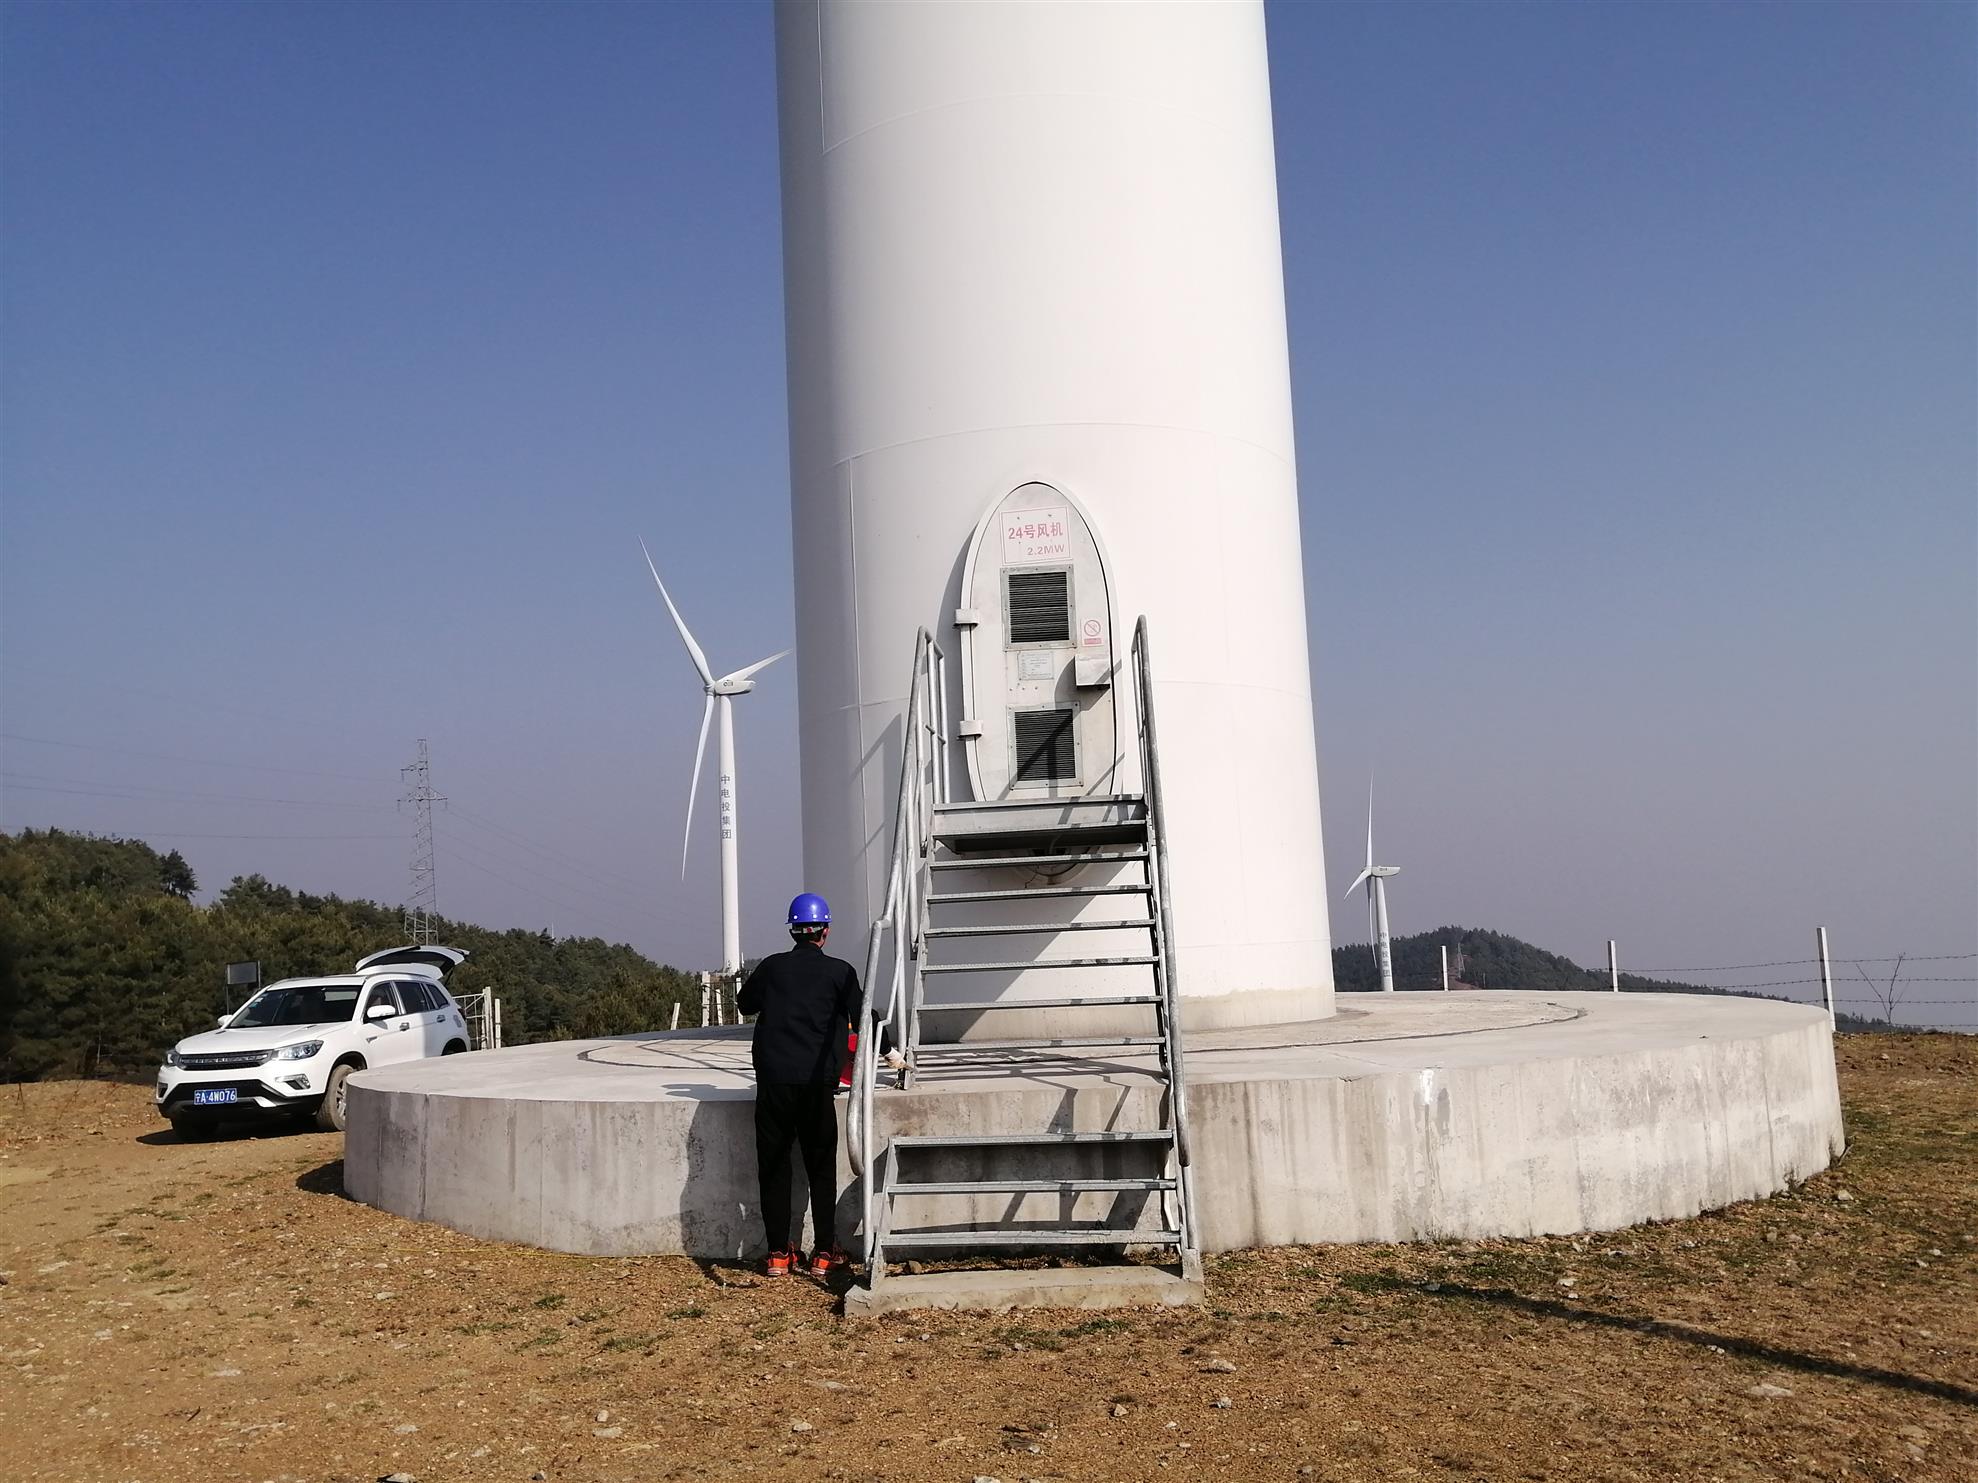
(223, 1021)
(379, 1012)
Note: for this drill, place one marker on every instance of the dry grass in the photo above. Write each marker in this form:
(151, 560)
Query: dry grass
(218, 1312)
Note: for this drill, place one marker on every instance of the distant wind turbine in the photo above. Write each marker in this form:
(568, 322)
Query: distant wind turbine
(1376, 878)
(720, 696)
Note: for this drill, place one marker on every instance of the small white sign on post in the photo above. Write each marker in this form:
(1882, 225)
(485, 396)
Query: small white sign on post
(1036, 535)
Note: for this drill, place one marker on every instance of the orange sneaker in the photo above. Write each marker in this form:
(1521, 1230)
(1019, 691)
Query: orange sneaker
(778, 1263)
(825, 1263)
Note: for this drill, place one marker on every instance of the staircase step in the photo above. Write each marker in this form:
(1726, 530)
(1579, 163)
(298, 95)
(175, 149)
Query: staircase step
(1023, 929)
(1051, 1287)
(1038, 893)
(991, 805)
(1025, 1140)
(1010, 823)
(1080, 1042)
(1138, 962)
(976, 1006)
(1029, 1186)
(1041, 1236)
(1106, 857)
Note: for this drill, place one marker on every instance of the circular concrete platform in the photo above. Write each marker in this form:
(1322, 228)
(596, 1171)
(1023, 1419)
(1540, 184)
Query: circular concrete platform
(1404, 1117)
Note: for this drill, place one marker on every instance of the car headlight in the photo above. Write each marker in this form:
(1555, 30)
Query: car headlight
(300, 1052)
(172, 1056)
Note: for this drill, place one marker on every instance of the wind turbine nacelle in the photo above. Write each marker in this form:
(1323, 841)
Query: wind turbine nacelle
(1384, 870)
(731, 687)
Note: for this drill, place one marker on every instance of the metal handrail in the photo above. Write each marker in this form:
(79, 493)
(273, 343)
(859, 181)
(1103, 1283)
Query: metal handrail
(1157, 833)
(923, 786)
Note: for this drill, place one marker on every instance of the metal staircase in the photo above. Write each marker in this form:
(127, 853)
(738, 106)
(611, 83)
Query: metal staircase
(969, 878)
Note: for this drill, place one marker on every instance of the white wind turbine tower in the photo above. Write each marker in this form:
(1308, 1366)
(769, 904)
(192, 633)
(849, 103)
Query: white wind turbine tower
(720, 696)
(1376, 878)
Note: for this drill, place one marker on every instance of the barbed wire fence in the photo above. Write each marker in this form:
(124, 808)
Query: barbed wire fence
(1832, 981)
(1880, 997)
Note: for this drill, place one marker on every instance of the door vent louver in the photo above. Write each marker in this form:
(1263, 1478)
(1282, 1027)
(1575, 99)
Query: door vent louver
(1045, 750)
(1040, 607)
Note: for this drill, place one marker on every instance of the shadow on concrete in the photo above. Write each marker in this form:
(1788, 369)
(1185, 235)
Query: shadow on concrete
(1792, 1359)
(711, 1049)
(955, 1062)
(720, 1192)
(720, 1198)
(324, 1179)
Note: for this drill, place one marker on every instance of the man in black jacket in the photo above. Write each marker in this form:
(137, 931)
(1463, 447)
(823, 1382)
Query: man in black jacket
(804, 1003)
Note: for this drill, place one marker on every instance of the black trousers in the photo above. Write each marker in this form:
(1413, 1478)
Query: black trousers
(806, 1116)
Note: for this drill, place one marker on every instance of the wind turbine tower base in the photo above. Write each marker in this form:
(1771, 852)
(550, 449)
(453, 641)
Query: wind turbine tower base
(1403, 1117)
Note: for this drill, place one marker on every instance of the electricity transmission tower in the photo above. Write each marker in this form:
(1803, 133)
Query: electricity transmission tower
(423, 903)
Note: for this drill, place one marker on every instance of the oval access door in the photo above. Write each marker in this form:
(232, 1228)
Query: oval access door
(1038, 717)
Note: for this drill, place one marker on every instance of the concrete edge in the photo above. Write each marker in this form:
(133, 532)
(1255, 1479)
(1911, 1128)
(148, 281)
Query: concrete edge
(1050, 1287)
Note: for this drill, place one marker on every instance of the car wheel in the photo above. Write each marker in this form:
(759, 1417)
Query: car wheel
(454, 1048)
(193, 1129)
(329, 1117)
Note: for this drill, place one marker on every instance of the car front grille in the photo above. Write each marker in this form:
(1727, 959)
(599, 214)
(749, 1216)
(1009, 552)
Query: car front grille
(230, 1061)
(250, 1097)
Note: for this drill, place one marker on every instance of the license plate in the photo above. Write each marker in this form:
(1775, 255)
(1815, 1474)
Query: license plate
(216, 1094)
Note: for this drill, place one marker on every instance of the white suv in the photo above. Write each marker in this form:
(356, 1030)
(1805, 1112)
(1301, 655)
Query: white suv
(290, 1049)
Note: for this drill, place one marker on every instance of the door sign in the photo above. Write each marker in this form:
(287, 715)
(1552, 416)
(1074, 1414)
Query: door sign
(1035, 535)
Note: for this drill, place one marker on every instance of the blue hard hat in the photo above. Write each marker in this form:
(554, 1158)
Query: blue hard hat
(810, 910)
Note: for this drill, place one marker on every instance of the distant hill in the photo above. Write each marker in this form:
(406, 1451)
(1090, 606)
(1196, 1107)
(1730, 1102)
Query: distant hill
(105, 961)
(1493, 960)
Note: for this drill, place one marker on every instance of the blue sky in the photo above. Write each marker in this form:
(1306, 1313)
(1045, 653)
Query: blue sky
(349, 349)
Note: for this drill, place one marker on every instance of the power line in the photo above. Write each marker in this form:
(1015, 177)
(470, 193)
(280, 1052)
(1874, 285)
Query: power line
(620, 891)
(177, 697)
(150, 834)
(301, 772)
(535, 891)
(547, 852)
(600, 892)
(149, 793)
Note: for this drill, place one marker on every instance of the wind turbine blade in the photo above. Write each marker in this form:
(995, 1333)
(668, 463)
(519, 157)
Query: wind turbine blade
(700, 751)
(1370, 826)
(693, 649)
(743, 674)
(1363, 875)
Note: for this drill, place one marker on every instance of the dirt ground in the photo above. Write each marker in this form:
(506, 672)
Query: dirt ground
(219, 1312)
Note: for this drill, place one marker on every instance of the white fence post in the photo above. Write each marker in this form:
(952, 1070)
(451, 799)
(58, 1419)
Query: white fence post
(1445, 968)
(676, 1016)
(482, 1016)
(1613, 968)
(1826, 976)
(497, 1024)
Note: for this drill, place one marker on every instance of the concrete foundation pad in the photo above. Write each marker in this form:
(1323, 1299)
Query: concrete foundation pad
(1409, 1116)
(1051, 1287)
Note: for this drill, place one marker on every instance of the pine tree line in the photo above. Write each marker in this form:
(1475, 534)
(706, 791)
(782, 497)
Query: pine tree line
(105, 960)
